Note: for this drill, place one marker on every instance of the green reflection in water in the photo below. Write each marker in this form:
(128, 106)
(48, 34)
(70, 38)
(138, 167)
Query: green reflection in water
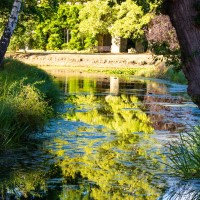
(115, 159)
(120, 166)
(77, 84)
(119, 113)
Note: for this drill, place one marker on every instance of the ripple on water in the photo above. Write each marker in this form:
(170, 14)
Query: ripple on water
(108, 143)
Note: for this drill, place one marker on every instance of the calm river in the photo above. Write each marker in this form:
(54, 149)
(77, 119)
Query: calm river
(109, 143)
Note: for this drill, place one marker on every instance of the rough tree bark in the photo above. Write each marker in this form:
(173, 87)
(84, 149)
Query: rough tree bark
(8, 31)
(182, 14)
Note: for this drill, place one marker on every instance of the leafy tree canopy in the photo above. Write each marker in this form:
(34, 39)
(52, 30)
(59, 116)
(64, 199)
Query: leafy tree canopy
(130, 20)
(43, 23)
(96, 17)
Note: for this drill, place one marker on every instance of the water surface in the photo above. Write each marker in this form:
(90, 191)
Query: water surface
(108, 144)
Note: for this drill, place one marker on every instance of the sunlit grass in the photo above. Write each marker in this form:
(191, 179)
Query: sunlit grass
(168, 73)
(28, 98)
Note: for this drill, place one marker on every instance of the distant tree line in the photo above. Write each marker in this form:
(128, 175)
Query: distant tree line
(59, 24)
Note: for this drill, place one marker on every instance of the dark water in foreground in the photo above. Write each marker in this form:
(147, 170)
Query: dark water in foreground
(108, 145)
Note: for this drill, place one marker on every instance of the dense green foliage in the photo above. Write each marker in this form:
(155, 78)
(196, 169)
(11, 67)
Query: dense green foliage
(76, 25)
(56, 24)
(130, 20)
(28, 98)
(96, 17)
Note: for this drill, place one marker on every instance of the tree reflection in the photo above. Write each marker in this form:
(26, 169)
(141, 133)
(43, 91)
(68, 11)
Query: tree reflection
(119, 166)
(120, 113)
(108, 154)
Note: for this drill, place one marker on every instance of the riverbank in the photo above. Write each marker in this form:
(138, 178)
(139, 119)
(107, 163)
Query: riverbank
(145, 65)
(28, 99)
(85, 60)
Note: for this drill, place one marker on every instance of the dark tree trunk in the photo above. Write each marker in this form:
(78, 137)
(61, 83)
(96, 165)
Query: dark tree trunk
(8, 31)
(182, 14)
(4, 43)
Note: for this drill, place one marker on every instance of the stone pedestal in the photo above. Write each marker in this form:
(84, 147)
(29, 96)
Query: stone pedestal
(118, 45)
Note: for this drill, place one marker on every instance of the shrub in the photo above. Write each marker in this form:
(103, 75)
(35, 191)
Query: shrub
(54, 42)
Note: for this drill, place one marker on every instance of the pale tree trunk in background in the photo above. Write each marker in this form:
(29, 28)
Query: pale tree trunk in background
(182, 14)
(8, 31)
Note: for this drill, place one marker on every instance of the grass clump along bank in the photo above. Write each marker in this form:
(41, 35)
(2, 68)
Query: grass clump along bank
(28, 98)
(167, 73)
(185, 155)
(163, 72)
